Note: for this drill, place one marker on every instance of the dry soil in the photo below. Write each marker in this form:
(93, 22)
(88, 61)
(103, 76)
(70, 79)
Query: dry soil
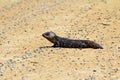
(23, 55)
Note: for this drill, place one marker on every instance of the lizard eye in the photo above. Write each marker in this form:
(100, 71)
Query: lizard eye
(47, 34)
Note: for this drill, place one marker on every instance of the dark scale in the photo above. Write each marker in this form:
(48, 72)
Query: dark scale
(69, 43)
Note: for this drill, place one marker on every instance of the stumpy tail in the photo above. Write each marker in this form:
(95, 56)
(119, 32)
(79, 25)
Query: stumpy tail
(98, 46)
(95, 45)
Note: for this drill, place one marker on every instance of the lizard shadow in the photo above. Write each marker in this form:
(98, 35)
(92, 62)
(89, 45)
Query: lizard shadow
(45, 47)
(59, 47)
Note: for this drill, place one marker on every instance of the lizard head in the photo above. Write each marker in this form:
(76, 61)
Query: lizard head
(49, 36)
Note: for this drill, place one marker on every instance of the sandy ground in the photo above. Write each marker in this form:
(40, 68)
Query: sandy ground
(23, 21)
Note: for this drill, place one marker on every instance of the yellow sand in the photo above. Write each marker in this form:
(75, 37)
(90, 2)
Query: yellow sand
(22, 52)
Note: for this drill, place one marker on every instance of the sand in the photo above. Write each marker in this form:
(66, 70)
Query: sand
(23, 55)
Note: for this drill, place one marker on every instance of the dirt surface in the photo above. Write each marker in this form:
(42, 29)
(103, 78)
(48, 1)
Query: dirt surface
(23, 55)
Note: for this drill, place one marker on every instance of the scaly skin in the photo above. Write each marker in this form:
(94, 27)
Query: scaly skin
(69, 43)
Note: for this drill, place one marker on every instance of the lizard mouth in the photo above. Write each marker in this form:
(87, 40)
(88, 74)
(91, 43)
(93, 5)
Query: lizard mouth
(43, 35)
(48, 38)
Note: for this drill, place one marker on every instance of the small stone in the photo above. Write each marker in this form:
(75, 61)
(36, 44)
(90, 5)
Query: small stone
(1, 64)
(94, 71)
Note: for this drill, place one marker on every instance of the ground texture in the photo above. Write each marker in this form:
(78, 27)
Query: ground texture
(23, 55)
